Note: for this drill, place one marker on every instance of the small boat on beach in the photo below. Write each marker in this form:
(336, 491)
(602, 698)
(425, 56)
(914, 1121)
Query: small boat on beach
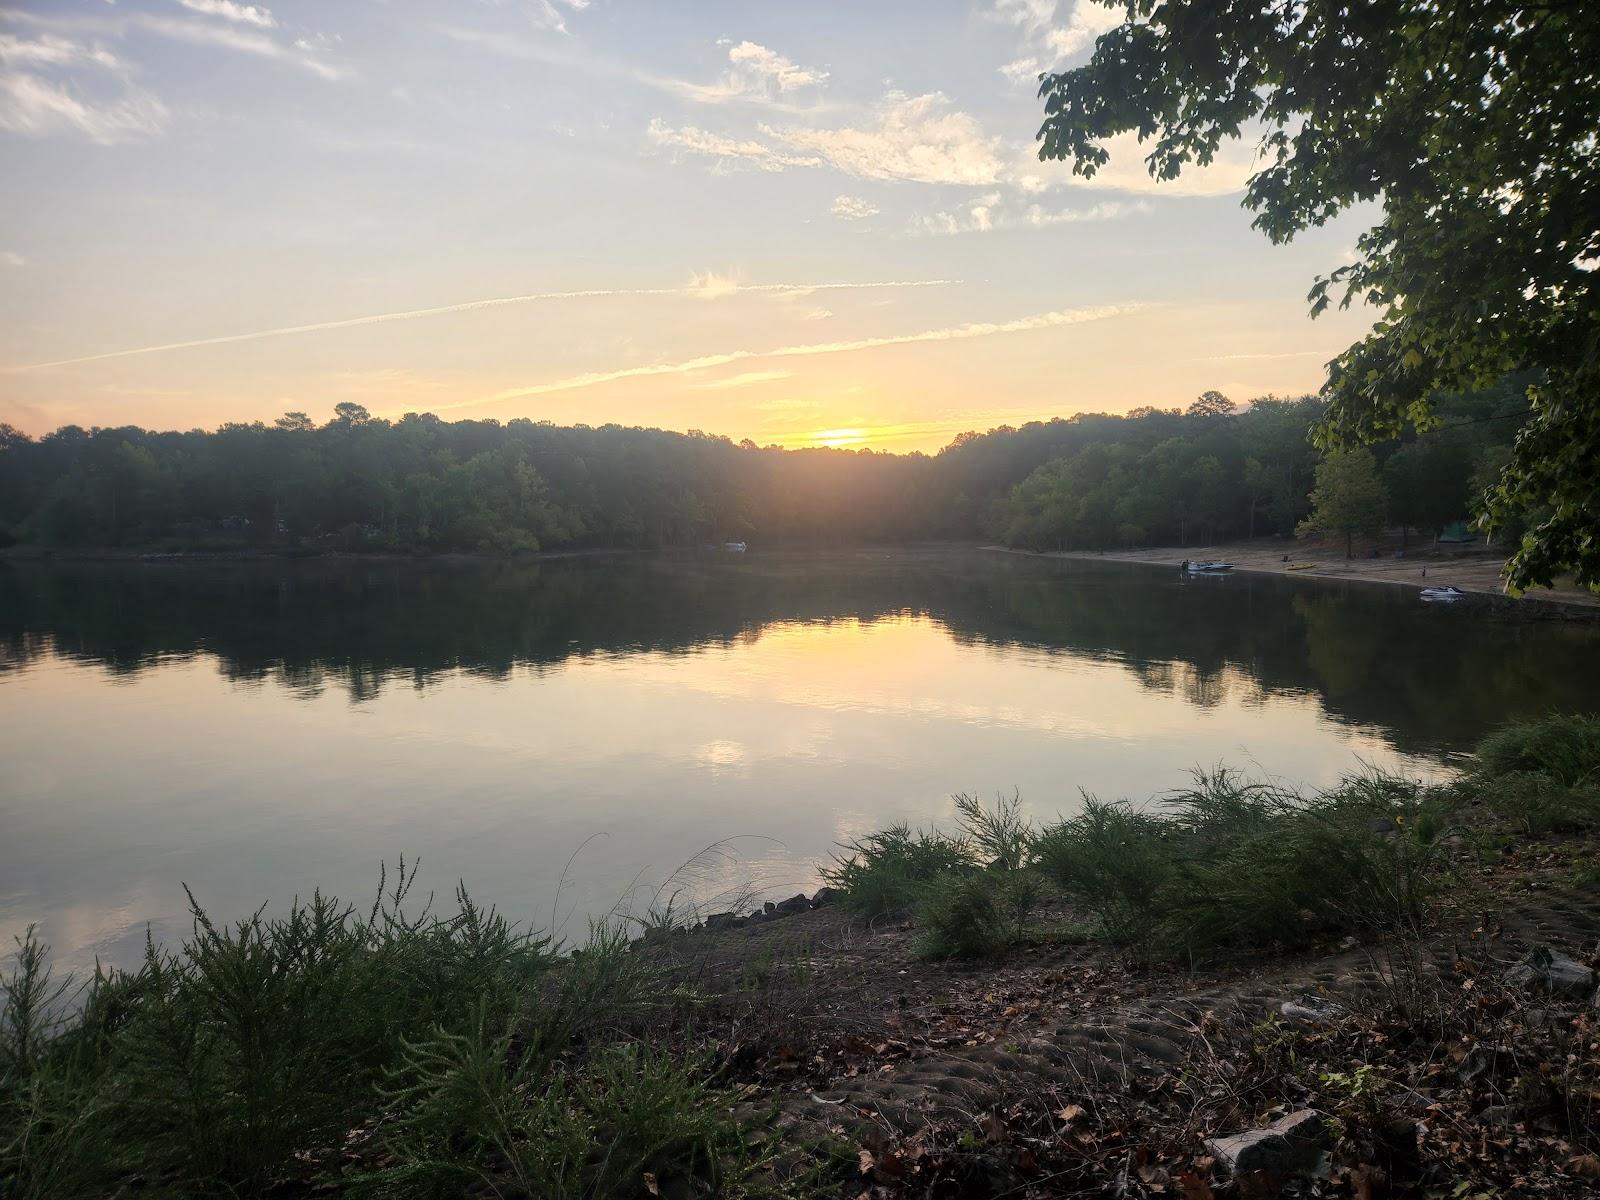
(1444, 595)
(1209, 567)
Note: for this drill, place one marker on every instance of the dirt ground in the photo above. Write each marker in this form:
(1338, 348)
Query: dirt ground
(1061, 1070)
(1474, 568)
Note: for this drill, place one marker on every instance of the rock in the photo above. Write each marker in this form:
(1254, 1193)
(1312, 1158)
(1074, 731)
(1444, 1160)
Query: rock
(825, 896)
(1313, 1010)
(769, 906)
(1291, 1145)
(725, 920)
(1543, 970)
(794, 904)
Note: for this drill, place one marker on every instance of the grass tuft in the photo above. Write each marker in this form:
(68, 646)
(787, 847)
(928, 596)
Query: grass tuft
(1565, 747)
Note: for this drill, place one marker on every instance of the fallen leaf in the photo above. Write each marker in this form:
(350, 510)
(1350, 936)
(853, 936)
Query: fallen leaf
(866, 1161)
(650, 1184)
(1072, 1112)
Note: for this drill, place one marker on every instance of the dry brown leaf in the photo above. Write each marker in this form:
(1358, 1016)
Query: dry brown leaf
(1193, 1186)
(1072, 1112)
(650, 1184)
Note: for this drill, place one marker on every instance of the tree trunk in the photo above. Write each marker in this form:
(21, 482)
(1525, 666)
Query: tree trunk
(1349, 537)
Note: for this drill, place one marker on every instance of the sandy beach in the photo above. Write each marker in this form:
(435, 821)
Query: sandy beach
(1473, 569)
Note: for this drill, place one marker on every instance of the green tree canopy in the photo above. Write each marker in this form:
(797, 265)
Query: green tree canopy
(1348, 497)
(1473, 125)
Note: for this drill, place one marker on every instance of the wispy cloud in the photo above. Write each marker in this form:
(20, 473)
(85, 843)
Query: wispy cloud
(49, 50)
(853, 208)
(1039, 321)
(245, 41)
(235, 33)
(1052, 38)
(919, 139)
(549, 15)
(754, 72)
(243, 14)
(12, 259)
(38, 107)
(706, 144)
(698, 286)
(916, 138)
(1274, 355)
(743, 380)
(993, 211)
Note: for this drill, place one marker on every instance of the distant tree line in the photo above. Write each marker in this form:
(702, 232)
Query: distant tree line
(1093, 481)
(1216, 472)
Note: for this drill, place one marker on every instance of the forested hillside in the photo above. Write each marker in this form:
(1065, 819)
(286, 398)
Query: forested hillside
(1154, 476)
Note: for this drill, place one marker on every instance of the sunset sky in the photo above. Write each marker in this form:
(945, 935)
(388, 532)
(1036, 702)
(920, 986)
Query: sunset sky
(800, 223)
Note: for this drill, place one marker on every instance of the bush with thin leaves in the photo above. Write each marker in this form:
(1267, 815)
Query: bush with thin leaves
(1230, 865)
(219, 1063)
(1116, 861)
(1565, 747)
(886, 872)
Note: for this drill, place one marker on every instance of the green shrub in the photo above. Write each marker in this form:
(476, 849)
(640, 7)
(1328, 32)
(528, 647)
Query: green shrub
(963, 915)
(1263, 868)
(885, 872)
(1115, 861)
(1563, 746)
(1538, 804)
(214, 1067)
(487, 1109)
(1231, 865)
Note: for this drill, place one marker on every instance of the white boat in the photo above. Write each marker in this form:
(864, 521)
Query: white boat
(1209, 567)
(734, 547)
(1446, 594)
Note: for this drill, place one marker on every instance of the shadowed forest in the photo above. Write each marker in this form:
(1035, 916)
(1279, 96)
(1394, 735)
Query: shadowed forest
(359, 483)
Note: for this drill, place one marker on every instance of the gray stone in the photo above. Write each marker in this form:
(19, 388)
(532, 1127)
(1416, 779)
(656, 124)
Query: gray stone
(1543, 970)
(1499, 1116)
(793, 904)
(825, 896)
(1291, 1145)
(1313, 1010)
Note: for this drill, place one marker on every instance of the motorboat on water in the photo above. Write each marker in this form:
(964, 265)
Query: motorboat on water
(1446, 594)
(1209, 567)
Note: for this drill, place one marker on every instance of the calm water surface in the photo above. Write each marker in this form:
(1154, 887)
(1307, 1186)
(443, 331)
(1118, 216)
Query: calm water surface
(257, 729)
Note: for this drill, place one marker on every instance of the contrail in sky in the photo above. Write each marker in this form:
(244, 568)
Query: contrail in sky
(711, 288)
(955, 333)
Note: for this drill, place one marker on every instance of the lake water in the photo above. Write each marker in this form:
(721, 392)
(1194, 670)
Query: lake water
(562, 735)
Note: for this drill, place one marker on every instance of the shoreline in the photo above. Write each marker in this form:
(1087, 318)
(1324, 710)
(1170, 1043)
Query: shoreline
(1477, 574)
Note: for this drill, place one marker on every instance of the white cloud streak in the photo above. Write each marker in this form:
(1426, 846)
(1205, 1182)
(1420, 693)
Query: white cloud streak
(698, 287)
(1048, 320)
(754, 73)
(245, 41)
(243, 14)
(745, 379)
(706, 144)
(50, 50)
(992, 211)
(1051, 40)
(36, 107)
(853, 208)
(914, 138)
